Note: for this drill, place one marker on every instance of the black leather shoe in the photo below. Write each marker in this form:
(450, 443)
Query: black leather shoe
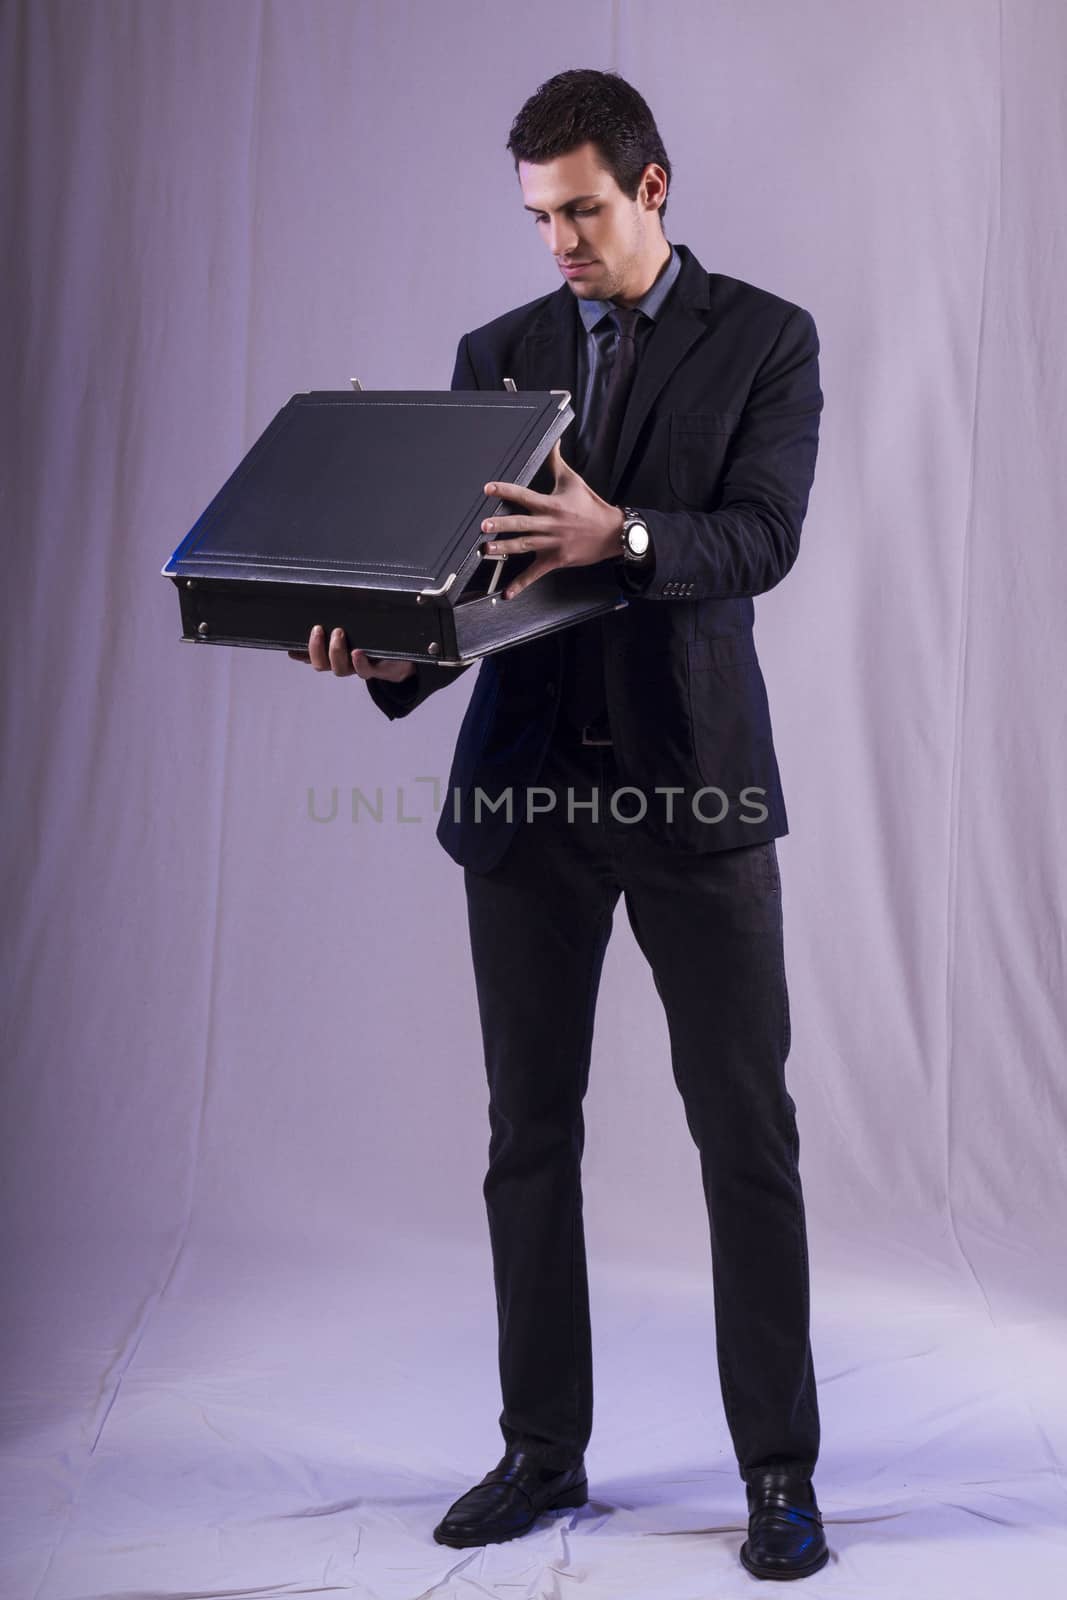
(510, 1499)
(785, 1537)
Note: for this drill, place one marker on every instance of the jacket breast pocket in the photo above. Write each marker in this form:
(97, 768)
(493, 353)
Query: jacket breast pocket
(696, 453)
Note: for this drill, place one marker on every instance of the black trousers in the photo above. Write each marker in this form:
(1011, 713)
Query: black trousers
(710, 926)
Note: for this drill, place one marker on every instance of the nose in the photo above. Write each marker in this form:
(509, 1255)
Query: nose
(562, 237)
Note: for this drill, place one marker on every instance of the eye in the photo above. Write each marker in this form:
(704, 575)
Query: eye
(539, 216)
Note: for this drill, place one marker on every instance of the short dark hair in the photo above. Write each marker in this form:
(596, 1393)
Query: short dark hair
(582, 104)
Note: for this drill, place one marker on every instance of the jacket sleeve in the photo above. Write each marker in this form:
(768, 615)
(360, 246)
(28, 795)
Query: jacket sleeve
(398, 699)
(748, 544)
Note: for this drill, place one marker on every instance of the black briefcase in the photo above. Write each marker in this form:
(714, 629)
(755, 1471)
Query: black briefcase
(363, 511)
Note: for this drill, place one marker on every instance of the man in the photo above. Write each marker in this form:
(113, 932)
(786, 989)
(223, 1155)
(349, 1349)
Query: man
(633, 755)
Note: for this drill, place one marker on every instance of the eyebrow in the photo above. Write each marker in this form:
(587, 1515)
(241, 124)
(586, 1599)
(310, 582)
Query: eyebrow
(578, 198)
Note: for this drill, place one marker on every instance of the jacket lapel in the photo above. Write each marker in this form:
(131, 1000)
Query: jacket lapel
(680, 323)
(547, 355)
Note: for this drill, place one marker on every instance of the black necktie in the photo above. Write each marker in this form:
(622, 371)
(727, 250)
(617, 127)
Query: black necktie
(597, 469)
(584, 703)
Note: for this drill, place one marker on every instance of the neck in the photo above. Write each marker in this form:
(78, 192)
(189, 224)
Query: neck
(650, 271)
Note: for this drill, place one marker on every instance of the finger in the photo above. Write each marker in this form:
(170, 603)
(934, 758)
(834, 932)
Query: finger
(368, 666)
(317, 649)
(505, 526)
(339, 662)
(395, 671)
(392, 669)
(531, 575)
(518, 493)
(527, 541)
(560, 467)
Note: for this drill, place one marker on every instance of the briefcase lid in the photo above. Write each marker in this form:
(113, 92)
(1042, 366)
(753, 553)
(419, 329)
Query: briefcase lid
(377, 489)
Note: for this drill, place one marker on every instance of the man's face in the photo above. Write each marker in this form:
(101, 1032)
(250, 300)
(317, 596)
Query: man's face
(583, 217)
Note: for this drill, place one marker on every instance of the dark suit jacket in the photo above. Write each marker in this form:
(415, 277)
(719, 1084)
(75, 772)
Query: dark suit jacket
(717, 448)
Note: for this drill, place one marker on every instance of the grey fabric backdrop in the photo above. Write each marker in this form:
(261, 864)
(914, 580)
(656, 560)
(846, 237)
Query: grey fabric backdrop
(250, 1316)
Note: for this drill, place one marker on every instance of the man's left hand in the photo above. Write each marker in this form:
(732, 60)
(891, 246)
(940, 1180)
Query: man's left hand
(572, 526)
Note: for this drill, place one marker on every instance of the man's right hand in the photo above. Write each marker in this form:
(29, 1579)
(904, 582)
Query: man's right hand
(346, 663)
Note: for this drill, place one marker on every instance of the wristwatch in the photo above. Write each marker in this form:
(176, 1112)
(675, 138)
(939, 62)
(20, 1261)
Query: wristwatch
(634, 538)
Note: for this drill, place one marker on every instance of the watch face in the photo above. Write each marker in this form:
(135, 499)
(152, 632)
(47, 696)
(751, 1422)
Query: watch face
(637, 538)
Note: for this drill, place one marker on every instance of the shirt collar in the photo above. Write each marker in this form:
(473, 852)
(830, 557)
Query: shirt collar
(650, 303)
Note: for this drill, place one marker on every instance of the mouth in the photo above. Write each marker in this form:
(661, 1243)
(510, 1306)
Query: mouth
(573, 268)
